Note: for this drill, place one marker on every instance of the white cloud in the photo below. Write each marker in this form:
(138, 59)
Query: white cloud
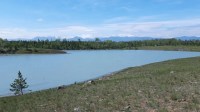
(154, 29)
(72, 31)
(12, 33)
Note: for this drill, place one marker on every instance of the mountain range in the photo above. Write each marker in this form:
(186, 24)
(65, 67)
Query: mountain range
(116, 39)
(188, 38)
(113, 38)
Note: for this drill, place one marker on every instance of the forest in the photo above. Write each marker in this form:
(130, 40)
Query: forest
(33, 46)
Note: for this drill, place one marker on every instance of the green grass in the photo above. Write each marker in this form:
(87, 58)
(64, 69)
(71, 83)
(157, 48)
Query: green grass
(171, 48)
(165, 86)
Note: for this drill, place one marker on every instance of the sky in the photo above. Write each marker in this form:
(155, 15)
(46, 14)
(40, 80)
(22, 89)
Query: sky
(99, 18)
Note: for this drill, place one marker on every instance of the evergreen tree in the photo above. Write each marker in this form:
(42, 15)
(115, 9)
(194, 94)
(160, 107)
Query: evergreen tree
(19, 85)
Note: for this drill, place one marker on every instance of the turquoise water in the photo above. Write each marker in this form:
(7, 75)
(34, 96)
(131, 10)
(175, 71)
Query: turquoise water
(46, 71)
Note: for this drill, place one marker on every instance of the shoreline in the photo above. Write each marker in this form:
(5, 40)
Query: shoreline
(155, 86)
(34, 51)
(101, 77)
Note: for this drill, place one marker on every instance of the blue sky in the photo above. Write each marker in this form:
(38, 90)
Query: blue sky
(99, 18)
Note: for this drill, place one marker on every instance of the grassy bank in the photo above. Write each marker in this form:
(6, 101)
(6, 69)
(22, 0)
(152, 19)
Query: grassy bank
(165, 86)
(171, 48)
(39, 51)
(31, 51)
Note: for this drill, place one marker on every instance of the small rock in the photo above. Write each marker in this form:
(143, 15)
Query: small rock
(127, 108)
(60, 87)
(91, 82)
(100, 100)
(77, 109)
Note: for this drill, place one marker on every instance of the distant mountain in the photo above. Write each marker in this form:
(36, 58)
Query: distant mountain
(125, 39)
(44, 38)
(188, 38)
(81, 39)
(116, 39)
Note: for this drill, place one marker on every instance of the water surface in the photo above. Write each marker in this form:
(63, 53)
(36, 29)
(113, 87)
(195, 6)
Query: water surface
(46, 71)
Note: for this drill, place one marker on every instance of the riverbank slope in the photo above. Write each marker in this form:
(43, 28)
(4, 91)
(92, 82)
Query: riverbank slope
(164, 86)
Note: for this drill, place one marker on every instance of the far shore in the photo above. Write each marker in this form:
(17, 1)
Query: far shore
(57, 51)
(33, 51)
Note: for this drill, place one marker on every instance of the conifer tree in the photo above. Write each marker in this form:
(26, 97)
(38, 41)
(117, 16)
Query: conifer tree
(19, 85)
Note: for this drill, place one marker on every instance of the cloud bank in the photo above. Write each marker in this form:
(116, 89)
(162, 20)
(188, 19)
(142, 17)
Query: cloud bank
(165, 29)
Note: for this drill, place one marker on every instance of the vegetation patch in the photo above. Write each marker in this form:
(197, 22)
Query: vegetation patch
(47, 46)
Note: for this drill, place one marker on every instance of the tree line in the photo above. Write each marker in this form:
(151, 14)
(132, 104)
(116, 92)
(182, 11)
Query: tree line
(64, 44)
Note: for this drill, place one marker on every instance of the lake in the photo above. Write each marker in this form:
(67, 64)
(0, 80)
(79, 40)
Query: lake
(46, 71)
